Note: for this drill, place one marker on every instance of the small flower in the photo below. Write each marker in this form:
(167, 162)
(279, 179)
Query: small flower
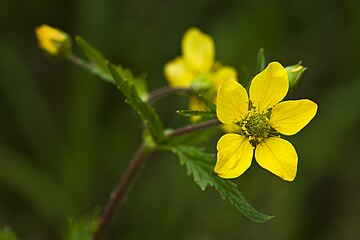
(196, 68)
(53, 41)
(260, 120)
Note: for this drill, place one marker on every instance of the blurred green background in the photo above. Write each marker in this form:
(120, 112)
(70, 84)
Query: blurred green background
(66, 136)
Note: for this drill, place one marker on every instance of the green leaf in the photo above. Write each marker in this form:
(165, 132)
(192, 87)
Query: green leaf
(201, 165)
(124, 81)
(7, 234)
(261, 63)
(209, 113)
(81, 229)
(99, 67)
(141, 86)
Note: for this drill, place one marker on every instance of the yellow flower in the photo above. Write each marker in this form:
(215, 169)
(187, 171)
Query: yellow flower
(260, 119)
(196, 68)
(53, 41)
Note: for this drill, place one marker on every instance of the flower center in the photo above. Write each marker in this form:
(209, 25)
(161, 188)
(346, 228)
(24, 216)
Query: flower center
(255, 126)
(202, 82)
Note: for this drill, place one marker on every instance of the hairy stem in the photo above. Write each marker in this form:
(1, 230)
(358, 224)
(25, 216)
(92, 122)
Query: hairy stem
(80, 62)
(134, 165)
(192, 128)
(116, 196)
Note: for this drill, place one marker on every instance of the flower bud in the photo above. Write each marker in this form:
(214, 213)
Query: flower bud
(53, 41)
(295, 73)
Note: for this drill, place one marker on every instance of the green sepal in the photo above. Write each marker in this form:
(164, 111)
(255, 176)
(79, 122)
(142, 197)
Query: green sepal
(201, 166)
(295, 74)
(261, 61)
(123, 79)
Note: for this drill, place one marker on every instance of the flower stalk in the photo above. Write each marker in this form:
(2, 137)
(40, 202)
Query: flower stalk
(117, 195)
(164, 91)
(193, 128)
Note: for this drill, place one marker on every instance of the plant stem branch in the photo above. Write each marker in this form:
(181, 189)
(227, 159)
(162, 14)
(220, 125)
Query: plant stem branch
(164, 91)
(116, 196)
(80, 62)
(192, 128)
(134, 165)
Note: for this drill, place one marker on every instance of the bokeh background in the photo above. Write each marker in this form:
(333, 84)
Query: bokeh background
(66, 136)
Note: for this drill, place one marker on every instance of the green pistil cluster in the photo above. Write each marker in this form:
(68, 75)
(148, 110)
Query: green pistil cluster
(255, 126)
(203, 82)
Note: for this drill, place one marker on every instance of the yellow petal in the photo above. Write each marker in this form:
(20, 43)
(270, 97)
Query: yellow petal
(234, 155)
(269, 87)
(230, 128)
(232, 102)
(224, 73)
(289, 117)
(198, 50)
(278, 156)
(178, 74)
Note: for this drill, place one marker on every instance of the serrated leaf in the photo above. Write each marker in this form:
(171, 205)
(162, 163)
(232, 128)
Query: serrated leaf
(123, 79)
(208, 113)
(210, 106)
(261, 63)
(100, 63)
(7, 234)
(99, 67)
(191, 113)
(201, 165)
(141, 86)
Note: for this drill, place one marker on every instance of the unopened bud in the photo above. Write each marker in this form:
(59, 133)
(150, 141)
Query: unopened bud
(295, 73)
(53, 41)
